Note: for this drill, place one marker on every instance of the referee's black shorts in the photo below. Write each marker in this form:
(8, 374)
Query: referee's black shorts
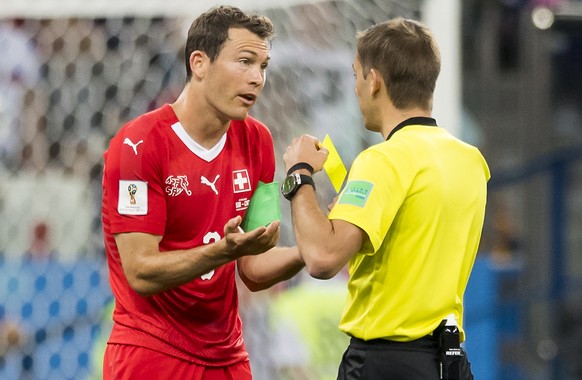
(381, 359)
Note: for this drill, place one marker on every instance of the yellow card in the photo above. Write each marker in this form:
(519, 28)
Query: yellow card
(333, 165)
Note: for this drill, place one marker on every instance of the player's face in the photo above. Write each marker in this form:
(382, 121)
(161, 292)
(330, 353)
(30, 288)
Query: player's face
(237, 76)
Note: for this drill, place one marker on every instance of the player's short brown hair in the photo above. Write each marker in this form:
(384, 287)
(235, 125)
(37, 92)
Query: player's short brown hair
(210, 31)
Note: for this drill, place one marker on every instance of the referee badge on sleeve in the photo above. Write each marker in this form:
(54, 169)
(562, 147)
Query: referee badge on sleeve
(356, 193)
(133, 198)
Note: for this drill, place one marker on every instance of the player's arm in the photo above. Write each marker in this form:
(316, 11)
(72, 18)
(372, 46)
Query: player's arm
(150, 271)
(267, 269)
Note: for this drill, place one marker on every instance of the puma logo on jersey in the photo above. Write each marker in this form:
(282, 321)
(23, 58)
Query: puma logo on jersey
(208, 276)
(212, 184)
(127, 141)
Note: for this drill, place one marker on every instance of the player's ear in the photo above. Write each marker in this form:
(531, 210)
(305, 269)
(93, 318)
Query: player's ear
(199, 61)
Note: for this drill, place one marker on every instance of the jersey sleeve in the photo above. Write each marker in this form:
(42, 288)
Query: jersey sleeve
(133, 182)
(371, 201)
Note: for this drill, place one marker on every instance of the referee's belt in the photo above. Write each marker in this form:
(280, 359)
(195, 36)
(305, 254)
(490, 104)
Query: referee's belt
(427, 341)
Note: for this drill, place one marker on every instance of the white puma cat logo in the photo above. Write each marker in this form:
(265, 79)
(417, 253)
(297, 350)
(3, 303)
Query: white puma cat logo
(208, 276)
(205, 181)
(127, 141)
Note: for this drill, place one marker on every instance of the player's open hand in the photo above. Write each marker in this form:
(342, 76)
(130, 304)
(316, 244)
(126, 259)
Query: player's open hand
(254, 242)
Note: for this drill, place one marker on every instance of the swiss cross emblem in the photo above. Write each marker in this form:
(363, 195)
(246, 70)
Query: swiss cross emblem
(241, 181)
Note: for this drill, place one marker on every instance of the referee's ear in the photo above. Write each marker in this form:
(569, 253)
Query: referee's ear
(376, 81)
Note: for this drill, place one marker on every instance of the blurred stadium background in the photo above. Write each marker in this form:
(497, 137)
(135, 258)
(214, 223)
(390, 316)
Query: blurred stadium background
(73, 72)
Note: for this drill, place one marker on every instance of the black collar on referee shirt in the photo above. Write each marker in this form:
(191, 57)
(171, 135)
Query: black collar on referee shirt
(420, 120)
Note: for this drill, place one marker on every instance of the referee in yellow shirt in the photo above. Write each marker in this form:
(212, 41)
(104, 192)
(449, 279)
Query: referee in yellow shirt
(408, 220)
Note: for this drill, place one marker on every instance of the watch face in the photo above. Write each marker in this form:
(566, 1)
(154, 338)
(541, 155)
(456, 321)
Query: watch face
(288, 185)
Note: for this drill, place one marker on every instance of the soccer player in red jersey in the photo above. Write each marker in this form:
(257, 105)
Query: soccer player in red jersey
(177, 182)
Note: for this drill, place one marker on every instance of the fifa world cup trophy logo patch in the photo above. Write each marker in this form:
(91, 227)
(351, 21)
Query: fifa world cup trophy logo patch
(132, 189)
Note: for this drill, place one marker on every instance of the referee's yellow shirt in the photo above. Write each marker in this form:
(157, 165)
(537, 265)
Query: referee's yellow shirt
(420, 197)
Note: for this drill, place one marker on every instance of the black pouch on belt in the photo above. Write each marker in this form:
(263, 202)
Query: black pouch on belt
(450, 352)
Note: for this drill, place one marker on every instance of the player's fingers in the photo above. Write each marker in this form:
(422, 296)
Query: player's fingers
(233, 225)
(264, 237)
(272, 232)
(273, 226)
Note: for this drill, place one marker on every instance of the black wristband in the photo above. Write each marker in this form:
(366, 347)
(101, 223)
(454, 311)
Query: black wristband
(300, 165)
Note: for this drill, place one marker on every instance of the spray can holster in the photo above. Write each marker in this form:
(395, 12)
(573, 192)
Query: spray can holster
(450, 352)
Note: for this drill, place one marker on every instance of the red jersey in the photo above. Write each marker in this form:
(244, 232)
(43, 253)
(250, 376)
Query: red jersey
(159, 181)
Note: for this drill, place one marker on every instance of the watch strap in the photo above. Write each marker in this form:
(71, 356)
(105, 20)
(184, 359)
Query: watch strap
(300, 165)
(306, 180)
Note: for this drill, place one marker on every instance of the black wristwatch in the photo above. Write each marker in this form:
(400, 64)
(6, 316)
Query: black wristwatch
(293, 182)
